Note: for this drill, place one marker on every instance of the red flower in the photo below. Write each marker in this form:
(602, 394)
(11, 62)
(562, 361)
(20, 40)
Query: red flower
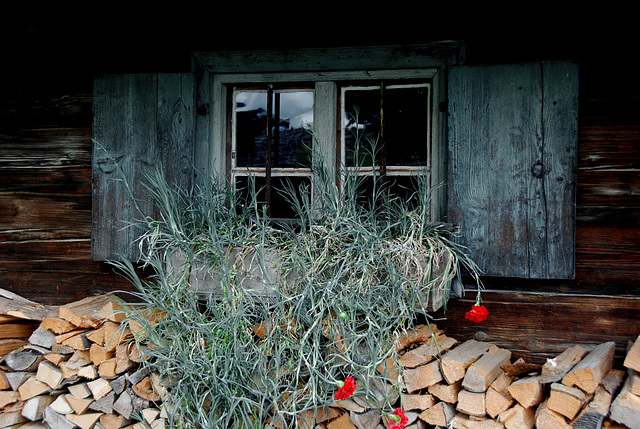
(478, 313)
(346, 388)
(397, 419)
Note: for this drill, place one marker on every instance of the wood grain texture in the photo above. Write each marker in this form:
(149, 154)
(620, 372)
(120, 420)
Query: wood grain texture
(540, 326)
(512, 152)
(141, 122)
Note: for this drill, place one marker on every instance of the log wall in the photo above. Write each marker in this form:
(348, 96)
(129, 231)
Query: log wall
(45, 199)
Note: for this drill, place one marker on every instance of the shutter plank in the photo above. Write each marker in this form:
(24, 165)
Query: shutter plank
(511, 138)
(141, 121)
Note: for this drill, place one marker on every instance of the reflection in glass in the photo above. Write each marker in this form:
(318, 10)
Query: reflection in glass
(406, 125)
(292, 111)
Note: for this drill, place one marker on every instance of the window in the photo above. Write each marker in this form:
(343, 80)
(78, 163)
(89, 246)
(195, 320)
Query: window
(506, 133)
(271, 130)
(271, 143)
(386, 131)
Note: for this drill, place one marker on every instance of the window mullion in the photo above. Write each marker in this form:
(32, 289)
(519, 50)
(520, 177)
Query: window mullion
(269, 136)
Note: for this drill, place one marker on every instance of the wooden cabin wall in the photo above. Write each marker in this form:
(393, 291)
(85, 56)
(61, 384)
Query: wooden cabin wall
(45, 195)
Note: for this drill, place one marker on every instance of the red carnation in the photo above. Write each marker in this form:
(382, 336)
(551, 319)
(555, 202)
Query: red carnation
(397, 419)
(478, 313)
(346, 388)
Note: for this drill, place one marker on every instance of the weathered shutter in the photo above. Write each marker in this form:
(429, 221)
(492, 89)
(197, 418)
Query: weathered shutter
(512, 166)
(141, 121)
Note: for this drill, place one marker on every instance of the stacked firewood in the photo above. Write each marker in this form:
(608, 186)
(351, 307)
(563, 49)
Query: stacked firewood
(474, 384)
(74, 366)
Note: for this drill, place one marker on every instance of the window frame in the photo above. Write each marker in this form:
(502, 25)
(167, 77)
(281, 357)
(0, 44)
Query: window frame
(326, 87)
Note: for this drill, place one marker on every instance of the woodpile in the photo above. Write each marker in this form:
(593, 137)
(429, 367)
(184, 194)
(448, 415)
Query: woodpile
(474, 384)
(74, 366)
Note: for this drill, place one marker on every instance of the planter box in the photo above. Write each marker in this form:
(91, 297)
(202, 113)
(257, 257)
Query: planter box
(259, 274)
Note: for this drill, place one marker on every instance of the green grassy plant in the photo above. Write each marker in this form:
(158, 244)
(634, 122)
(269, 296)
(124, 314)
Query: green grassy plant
(357, 269)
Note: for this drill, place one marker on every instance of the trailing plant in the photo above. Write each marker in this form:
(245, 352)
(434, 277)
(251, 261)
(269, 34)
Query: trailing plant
(354, 272)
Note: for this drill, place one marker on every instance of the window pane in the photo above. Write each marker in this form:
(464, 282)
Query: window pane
(291, 139)
(402, 187)
(280, 206)
(406, 125)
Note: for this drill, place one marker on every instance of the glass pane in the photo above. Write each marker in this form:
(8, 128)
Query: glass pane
(280, 206)
(402, 187)
(406, 126)
(291, 139)
(362, 127)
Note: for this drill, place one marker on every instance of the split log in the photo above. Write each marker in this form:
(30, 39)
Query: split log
(16, 379)
(9, 345)
(99, 354)
(632, 359)
(113, 421)
(341, 422)
(455, 362)
(56, 420)
(426, 352)
(42, 337)
(8, 397)
(12, 416)
(594, 414)
(61, 405)
(588, 373)
(79, 405)
(439, 415)
(31, 388)
(518, 417)
(419, 335)
(471, 403)
(107, 369)
(417, 402)
(104, 404)
(310, 418)
(88, 312)
(25, 309)
(34, 407)
(566, 400)
(498, 398)
(49, 374)
(84, 421)
(4, 383)
(520, 368)
(446, 392)
(124, 405)
(485, 370)
(23, 360)
(88, 371)
(80, 390)
(528, 391)
(625, 408)
(16, 330)
(422, 376)
(99, 388)
(57, 326)
(555, 369)
(634, 382)
(549, 419)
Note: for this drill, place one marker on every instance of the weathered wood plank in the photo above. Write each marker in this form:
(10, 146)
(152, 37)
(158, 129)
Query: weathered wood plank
(141, 122)
(541, 326)
(512, 175)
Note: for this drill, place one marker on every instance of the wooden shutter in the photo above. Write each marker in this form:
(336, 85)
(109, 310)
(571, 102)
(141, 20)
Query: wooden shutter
(140, 122)
(512, 166)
